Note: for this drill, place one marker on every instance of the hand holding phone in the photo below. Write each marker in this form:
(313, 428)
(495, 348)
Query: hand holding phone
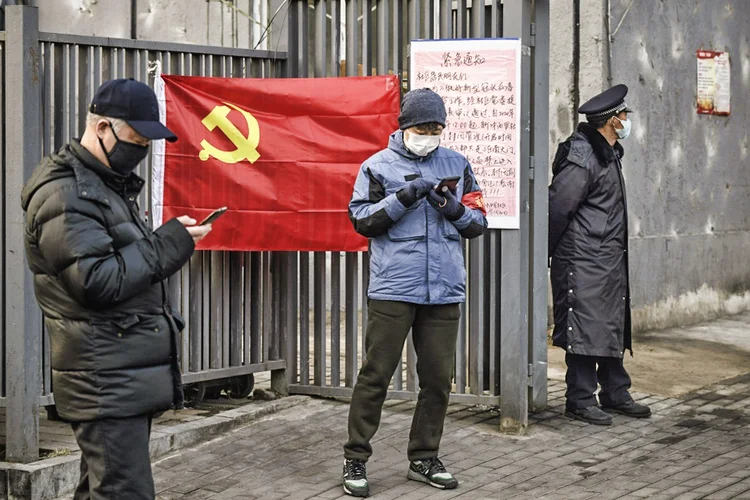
(450, 182)
(196, 232)
(213, 216)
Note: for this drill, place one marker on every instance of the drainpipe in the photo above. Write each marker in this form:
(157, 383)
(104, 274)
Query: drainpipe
(133, 19)
(576, 60)
(609, 43)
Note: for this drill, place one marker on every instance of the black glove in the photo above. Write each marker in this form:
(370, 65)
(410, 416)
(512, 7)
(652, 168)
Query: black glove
(414, 191)
(447, 204)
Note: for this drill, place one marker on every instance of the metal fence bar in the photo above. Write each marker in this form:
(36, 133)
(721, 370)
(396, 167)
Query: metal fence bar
(493, 316)
(22, 321)
(3, 83)
(352, 309)
(477, 325)
(256, 310)
(304, 317)
(382, 45)
(352, 38)
(236, 302)
(461, 19)
(397, 41)
(335, 319)
(319, 318)
(514, 326)
(216, 325)
(267, 304)
(205, 331)
(226, 326)
(184, 305)
(46, 369)
(126, 43)
(290, 327)
(195, 321)
(446, 19)
(477, 19)
(461, 355)
(539, 208)
(276, 326)
(247, 307)
(367, 38)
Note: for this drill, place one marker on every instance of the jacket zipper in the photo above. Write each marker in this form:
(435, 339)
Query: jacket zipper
(427, 251)
(427, 239)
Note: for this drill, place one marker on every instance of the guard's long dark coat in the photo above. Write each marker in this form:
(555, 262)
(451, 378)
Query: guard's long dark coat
(588, 234)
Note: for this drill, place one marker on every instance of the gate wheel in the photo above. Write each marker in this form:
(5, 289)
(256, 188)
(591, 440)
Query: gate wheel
(213, 392)
(241, 387)
(194, 393)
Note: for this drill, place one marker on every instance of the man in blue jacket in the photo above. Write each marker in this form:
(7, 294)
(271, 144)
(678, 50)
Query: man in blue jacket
(417, 281)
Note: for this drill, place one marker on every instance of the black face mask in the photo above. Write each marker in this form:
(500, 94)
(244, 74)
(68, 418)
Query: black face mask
(124, 157)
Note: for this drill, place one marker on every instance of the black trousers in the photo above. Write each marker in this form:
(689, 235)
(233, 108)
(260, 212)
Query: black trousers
(582, 378)
(434, 331)
(115, 462)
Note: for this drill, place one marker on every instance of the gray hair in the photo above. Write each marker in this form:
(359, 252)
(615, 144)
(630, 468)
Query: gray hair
(117, 123)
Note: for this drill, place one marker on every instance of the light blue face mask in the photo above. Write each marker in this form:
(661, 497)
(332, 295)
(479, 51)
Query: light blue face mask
(624, 132)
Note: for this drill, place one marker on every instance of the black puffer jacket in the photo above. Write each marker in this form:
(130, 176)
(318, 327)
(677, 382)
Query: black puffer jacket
(588, 234)
(99, 276)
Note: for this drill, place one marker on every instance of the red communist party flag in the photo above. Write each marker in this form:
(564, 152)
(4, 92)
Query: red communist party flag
(281, 154)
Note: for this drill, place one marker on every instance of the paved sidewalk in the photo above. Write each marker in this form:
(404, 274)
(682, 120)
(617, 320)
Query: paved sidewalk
(694, 447)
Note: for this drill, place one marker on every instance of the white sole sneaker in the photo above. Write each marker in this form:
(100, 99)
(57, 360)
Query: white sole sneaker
(414, 476)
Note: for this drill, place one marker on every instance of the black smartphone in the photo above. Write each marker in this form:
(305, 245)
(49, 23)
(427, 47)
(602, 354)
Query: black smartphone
(449, 182)
(214, 215)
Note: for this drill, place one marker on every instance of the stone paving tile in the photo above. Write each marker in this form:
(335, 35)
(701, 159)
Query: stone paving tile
(693, 448)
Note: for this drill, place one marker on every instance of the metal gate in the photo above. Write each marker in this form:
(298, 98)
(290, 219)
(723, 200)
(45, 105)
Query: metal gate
(48, 81)
(299, 315)
(502, 346)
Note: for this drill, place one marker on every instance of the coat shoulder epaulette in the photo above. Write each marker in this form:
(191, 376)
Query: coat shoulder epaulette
(580, 152)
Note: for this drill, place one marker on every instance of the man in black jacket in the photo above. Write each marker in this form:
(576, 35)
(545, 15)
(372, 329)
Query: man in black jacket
(588, 244)
(99, 276)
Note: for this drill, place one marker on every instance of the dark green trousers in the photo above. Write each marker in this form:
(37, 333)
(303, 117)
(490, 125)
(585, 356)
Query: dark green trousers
(434, 330)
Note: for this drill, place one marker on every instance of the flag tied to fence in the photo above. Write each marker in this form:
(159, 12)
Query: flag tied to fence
(281, 154)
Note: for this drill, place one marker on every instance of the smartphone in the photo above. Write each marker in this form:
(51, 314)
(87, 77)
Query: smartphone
(449, 182)
(214, 215)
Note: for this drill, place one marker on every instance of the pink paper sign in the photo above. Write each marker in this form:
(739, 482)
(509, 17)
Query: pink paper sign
(479, 82)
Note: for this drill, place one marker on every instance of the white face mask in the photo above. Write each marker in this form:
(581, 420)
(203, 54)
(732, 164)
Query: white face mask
(624, 132)
(421, 145)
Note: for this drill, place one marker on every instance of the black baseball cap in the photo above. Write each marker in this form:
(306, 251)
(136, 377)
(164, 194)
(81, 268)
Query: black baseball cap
(133, 102)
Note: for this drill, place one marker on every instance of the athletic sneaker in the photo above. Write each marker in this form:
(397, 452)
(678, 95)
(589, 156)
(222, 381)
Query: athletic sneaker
(355, 478)
(432, 472)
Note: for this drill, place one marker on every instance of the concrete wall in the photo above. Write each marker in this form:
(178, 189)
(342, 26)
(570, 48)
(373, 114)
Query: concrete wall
(204, 22)
(688, 176)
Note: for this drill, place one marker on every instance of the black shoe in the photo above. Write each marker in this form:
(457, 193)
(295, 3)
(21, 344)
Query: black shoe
(355, 478)
(630, 409)
(591, 415)
(432, 472)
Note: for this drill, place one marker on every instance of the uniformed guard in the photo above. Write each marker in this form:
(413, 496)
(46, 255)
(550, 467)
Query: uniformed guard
(588, 245)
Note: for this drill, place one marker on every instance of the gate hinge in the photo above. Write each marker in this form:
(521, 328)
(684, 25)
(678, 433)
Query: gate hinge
(532, 38)
(532, 166)
(531, 375)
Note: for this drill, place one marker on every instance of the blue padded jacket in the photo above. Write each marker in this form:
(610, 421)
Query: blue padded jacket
(415, 253)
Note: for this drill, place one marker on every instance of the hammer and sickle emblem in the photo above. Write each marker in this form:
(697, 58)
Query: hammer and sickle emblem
(246, 146)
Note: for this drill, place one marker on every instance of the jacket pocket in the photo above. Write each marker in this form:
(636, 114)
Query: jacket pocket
(450, 231)
(412, 226)
(598, 228)
(123, 323)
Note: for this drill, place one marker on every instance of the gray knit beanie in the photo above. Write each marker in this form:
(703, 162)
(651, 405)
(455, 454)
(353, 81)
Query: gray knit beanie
(421, 106)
